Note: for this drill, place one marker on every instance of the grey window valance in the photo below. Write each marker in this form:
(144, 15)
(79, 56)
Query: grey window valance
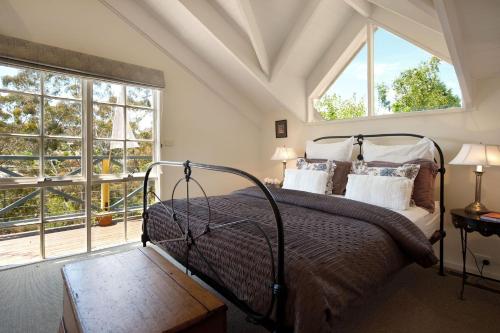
(23, 52)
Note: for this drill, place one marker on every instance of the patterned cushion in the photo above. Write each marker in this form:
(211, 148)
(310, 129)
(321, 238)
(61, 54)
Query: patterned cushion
(409, 171)
(342, 171)
(327, 166)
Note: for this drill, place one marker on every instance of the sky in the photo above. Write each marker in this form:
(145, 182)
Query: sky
(392, 55)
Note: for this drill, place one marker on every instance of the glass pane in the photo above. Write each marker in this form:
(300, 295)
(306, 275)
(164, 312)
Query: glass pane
(107, 230)
(108, 227)
(19, 79)
(63, 157)
(19, 245)
(19, 226)
(64, 201)
(137, 96)
(108, 121)
(107, 197)
(139, 156)
(62, 117)
(347, 97)
(65, 238)
(407, 78)
(134, 210)
(108, 157)
(18, 207)
(62, 85)
(141, 124)
(107, 92)
(19, 157)
(19, 114)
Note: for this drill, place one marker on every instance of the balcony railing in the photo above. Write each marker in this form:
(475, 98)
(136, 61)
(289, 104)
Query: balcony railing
(12, 222)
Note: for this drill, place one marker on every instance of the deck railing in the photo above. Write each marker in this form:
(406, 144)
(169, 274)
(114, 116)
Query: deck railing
(10, 171)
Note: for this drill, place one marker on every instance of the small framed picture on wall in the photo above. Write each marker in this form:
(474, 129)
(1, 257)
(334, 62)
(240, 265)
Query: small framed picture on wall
(280, 128)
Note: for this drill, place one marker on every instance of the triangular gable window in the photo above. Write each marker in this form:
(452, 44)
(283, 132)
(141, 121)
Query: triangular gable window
(406, 78)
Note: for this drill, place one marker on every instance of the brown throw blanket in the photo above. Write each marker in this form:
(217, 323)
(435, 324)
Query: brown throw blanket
(337, 251)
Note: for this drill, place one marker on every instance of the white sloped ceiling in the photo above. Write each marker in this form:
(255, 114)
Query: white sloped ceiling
(274, 52)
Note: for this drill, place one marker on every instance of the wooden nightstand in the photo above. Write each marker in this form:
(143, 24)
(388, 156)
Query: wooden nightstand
(468, 223)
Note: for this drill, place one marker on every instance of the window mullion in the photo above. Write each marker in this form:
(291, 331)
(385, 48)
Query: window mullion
(42, 165)
(370, 69)
(88, 158)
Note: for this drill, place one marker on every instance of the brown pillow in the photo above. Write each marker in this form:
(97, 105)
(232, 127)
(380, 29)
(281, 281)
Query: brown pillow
(423, 187)
(340, 175)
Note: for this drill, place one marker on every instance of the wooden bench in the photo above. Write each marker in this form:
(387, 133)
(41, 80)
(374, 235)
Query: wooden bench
(136, 291)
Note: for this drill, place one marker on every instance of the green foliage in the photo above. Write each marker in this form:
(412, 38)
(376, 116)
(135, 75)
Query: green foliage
(419, 88)
(332, 107)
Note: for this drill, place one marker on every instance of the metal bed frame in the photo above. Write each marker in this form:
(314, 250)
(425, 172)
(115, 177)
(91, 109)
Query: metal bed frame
(278, 287)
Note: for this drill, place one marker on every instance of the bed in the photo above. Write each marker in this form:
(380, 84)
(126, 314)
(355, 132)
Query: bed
(291, 260)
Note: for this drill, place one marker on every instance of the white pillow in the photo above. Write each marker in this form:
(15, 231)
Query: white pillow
(398, 153)
(384, 191)
(313, 181)
(337, 151)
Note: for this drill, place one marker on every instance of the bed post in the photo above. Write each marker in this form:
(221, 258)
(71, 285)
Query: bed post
(442, 233)
(144, 236)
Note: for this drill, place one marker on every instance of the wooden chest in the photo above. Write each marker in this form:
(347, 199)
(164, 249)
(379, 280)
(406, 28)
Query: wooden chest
(136, 291)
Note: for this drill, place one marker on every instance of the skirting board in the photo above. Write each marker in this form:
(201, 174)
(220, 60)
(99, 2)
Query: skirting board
(457, 266)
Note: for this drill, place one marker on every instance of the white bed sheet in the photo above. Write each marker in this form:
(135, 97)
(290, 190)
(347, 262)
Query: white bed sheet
(425, 221)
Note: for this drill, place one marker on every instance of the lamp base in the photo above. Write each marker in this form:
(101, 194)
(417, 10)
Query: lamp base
(476, 208)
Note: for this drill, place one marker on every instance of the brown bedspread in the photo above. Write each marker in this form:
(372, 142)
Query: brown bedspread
(337, 251)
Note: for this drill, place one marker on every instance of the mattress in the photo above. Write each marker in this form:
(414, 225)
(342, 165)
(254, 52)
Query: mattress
(427, 222)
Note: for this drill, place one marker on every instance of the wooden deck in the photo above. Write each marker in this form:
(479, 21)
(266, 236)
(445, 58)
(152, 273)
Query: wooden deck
(24, 250)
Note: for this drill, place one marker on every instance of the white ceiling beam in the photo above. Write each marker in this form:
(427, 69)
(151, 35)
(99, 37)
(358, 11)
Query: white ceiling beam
(425, 38)
(425, 5)
(300, 26)
(363, 7)
(448, 17)
(255, 35)
(226, 34)
(410, 11)
(130, 11)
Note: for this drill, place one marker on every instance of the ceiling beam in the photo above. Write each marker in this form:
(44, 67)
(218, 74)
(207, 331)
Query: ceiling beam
(363, 7)
(255, 35)
(130, 11)
(298, 30)
(447, 15)
(410, 11)
(224, 33)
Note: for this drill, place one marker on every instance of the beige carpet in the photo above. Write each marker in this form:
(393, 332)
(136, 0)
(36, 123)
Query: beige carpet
(417, 300)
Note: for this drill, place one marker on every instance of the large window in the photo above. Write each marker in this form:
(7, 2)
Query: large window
(73, 152)
(399, 78)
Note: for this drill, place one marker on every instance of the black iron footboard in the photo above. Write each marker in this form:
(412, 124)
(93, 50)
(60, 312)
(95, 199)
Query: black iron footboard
(278, 302)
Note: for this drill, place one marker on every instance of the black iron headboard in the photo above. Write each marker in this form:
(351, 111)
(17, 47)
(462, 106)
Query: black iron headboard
(359, 141)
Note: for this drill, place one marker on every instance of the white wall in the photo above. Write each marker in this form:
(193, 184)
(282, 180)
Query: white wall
(449, 130)
(201, 125)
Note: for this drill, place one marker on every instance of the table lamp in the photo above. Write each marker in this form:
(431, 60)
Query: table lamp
(481, 156)
(284, 154)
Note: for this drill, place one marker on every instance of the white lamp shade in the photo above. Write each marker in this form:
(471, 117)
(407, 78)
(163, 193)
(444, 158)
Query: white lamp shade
(493, 155)
(477, 154)
(283, 154)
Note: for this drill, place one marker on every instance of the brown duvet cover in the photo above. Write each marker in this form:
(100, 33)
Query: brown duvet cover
(337, 251)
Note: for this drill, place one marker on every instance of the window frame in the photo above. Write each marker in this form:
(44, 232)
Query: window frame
(86, 179)
(366, 35)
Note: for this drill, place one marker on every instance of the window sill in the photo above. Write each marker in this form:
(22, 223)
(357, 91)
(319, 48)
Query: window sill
(392, 116)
